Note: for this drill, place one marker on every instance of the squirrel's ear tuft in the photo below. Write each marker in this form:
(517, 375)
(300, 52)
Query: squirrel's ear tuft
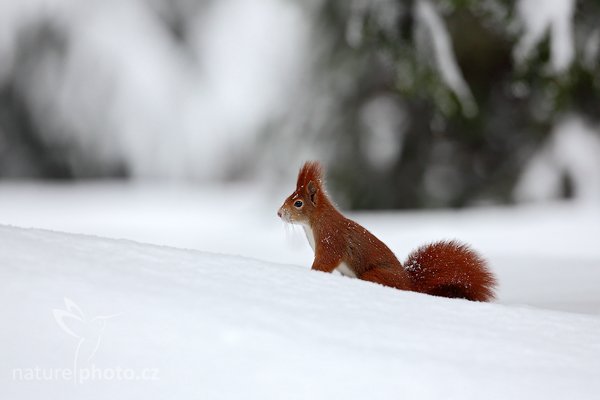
(311, 190)
(310, 171)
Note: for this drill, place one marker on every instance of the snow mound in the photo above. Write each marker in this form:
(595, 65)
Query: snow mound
(129, 319)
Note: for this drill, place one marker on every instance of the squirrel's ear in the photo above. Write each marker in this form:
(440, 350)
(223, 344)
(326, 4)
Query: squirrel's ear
(311, 189)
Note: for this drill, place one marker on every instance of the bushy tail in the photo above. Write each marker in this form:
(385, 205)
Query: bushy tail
(450, 269)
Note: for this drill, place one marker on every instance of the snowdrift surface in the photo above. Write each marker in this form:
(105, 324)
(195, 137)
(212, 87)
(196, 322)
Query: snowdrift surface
(546, 256)
(157, 322)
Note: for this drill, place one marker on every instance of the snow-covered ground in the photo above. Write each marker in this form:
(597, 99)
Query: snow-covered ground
(546, 256)
(175, 323)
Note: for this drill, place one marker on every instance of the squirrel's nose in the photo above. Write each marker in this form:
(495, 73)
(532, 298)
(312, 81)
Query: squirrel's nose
(279, 213)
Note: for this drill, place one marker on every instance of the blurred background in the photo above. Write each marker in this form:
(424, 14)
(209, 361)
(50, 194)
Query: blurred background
(184, 122)
(410, 104)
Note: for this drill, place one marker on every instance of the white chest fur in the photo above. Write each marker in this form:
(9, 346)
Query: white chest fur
(343, 268)
(310, 236)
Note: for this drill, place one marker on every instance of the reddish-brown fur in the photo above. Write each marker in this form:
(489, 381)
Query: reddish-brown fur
(447, 269)
(450, 269)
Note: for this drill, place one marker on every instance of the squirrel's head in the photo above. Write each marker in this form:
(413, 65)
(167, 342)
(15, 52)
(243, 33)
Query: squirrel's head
(300, 205)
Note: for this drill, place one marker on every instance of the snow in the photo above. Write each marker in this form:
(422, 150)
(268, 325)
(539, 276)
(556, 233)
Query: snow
(545, 256)
(447, 66)
(554, 17)
(571, 150)
(191, 324)
(257, 323)
(384, 122)
(123, 91)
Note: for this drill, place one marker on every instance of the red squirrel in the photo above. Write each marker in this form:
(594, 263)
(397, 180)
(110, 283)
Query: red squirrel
(445, 268)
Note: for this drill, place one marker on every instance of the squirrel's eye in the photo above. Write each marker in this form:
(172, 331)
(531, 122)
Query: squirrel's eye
(298, 204)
